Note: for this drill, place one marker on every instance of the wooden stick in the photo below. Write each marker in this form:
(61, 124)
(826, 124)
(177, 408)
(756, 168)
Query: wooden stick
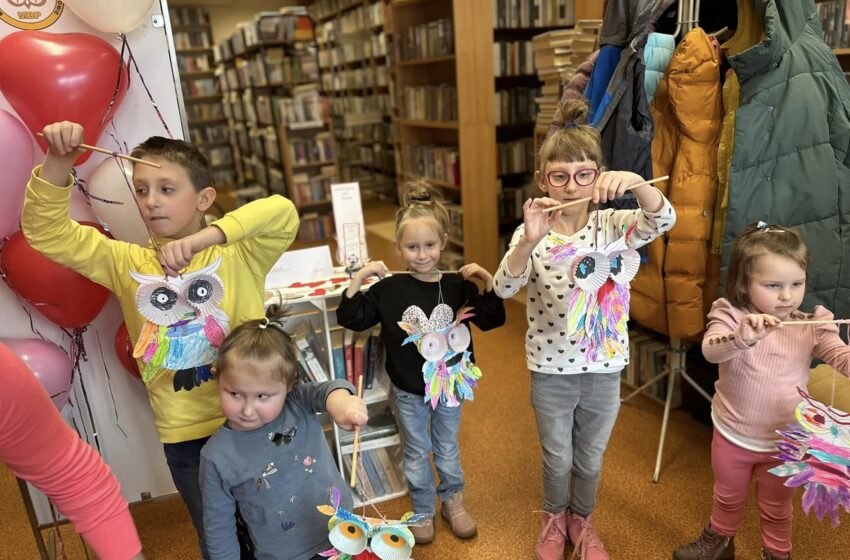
(589, 198)
(111, 153)
(356, 438)
(816, 322)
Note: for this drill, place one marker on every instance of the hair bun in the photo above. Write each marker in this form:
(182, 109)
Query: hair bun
(420, 197)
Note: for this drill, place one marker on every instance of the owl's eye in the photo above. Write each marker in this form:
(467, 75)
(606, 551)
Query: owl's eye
(163, 298)
(459, 338)
(199, 291)
(433, 346)
(348, 538)
(392, 544)
(616, 265)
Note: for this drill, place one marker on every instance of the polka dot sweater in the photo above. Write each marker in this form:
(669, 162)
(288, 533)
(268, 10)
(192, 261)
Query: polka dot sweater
(547, 348)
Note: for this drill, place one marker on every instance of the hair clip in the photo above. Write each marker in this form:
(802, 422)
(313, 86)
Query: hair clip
(264, 322)
(570, 124)
(763, 226)
(420, 197)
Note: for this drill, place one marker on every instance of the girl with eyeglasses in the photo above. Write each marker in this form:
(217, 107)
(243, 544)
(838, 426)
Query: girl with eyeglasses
(575, 391)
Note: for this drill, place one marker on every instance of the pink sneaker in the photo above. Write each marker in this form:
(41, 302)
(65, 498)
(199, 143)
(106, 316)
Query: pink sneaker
(553, 537)
(585, 539)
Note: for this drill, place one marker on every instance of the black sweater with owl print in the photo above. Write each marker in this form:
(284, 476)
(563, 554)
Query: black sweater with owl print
(386, 301)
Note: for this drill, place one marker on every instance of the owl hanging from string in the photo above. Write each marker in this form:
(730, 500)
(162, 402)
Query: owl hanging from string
(184, 326)
(355, 537)
(816, 456)
(598, 310)
(450, 374)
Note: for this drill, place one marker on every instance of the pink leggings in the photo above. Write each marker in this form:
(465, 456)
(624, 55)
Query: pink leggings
(734, 468)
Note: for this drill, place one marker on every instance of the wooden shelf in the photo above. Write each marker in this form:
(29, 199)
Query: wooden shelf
(313, 164)
(841, 52)
(422, 61)
(428, 124)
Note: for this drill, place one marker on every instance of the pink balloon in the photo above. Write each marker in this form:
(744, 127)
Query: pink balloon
(16, 163)
(50, 365)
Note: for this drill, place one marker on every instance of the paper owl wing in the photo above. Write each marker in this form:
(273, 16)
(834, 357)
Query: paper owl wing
(816, 457)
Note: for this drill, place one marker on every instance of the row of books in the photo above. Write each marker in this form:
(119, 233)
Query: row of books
(441, 163)
(428, 40)
(357, 78)
(284, 66)
(648, 354)
(366, 17)
(209, 134)
(379, 133)
(204, 111)
(222, 177)
(219, 155)
(191, 40)
(266, 28)
(318, 149)
(533, 13)
(374, 47)
(361, 104)
(510, 204)
(513, 58)
(516, 105)
(315, 227)
(305, 109)
(188, 16)
(433, 103)
(516, 156)
(381, 466)
(194, 87)
(193, 62)
(835, 22)
(309, 189)
(455, 220)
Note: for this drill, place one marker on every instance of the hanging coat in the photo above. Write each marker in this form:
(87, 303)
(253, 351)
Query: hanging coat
(667, 294)
(656, 57)
(792, 134)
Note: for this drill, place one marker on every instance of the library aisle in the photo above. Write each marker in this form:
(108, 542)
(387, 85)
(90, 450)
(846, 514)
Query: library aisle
(501, 461)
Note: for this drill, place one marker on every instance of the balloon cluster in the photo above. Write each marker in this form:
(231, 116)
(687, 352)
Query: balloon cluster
(78, 77)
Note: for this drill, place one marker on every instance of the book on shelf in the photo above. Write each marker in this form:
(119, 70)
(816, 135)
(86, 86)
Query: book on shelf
(533, 13)
(513, 58)
(338, 351)
(311, 354)
(427, 40)
(382, 423)
(314, 227)
(360, 340)
(372, 472)
(188, 16)
(431, 103)
(516, 156)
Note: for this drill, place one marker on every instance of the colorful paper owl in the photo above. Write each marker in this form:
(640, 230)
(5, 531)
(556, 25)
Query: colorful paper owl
(355, 537)
(184, 325)
(450, 375)
(598, 311)
(816, 456)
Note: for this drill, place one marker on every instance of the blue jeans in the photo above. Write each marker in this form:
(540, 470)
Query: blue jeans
(184, 462)
(424, 430)
(575, 416)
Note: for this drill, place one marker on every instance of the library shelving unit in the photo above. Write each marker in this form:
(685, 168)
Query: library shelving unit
(443, 65)
(354, 61)
(385, 444)
(201, 93)
(268, 70)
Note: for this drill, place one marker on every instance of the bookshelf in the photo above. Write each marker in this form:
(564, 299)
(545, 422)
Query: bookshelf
(444, 118)
(201, 93)
(277, 119)
(354, 60)
(312, 320)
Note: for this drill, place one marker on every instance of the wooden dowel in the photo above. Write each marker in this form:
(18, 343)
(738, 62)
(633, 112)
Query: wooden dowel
(817, 322)
(356, 438)
(111, 153)
(589, 198)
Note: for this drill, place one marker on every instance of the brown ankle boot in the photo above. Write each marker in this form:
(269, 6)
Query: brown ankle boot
(460, 521)
(423, 532)
(709, 546)
(767, 555)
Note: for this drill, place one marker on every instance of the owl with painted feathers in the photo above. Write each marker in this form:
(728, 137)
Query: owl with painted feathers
(184, 325)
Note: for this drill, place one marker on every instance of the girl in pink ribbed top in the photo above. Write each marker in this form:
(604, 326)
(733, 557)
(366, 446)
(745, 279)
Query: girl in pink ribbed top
(762, 362)
(37, 446)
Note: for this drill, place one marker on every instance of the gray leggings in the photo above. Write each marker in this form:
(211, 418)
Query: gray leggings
(575, 415)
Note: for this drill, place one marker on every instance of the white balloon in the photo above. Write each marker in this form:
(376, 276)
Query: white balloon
(111, 16)
(114, 203)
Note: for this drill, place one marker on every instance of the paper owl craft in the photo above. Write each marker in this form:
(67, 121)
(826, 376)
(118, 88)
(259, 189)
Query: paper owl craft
(450, 375)
(816, 455)
(184, 326)
(366, 538)
(598, 311)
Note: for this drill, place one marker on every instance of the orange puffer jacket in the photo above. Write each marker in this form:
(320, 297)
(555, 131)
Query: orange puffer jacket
(669, 293)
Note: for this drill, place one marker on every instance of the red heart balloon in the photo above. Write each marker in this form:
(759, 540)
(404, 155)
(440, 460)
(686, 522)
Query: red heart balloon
(64, 296)
(51, 77)
(124, 351)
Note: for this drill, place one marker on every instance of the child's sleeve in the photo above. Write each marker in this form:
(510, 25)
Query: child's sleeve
(828, 344)
(360, 312)
(720, 344)
(505, 284)
(219, 514)
(488, 308)
(313, 396)
(49, 229)
(648, 225)
(261, 231)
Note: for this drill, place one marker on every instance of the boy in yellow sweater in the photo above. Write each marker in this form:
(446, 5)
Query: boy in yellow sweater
(178, 301)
